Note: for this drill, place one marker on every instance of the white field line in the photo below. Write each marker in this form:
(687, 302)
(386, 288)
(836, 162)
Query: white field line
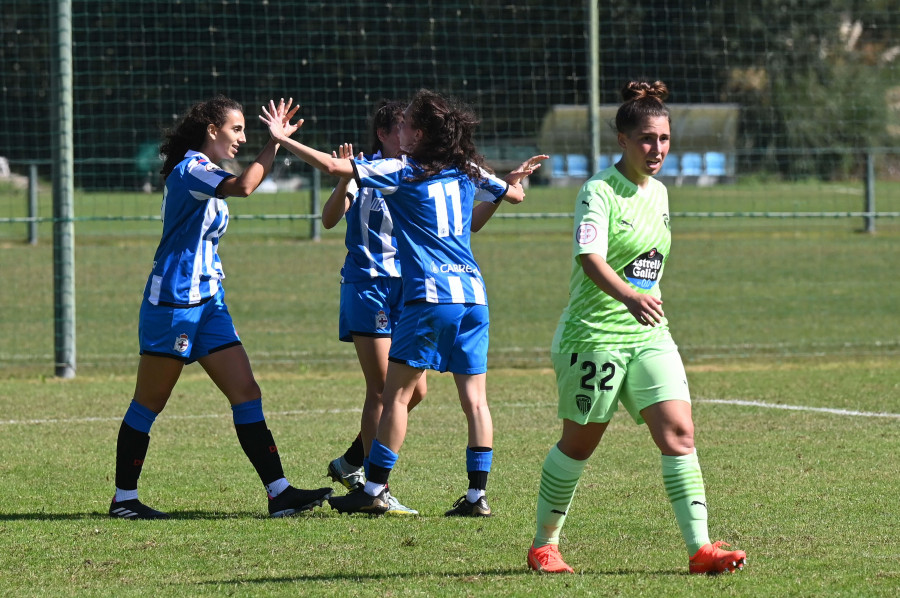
(744, 403)
(738, 402)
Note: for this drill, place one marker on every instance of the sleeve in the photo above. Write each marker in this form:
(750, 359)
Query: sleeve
(490, 188)
(203, 177)
(384, 175)
(592, 221)
(352, 189)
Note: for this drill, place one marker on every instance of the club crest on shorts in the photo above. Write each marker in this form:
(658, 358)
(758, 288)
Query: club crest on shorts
(182, 342)
(381, 320)
(584, 403)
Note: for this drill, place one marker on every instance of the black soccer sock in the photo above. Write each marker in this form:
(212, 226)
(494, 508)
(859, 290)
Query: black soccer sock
(354, 455)
(478, 480)
(260, 448)
(478, 465)
(131, 450)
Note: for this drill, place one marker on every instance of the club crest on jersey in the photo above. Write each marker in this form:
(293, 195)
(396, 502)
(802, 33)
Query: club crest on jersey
(381, 320)
(644, 271)
(586, 233)
(182, 342)
(583, 402)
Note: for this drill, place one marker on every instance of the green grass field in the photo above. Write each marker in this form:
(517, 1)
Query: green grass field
(790, 335)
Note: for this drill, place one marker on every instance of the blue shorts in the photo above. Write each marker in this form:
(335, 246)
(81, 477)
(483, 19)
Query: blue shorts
(370, 308)
(442, 336)
(186, 333)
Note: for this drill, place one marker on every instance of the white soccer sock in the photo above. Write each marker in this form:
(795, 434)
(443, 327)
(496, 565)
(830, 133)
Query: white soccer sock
(473, 494)
(277, 487)
(125, 495)
(373, 489)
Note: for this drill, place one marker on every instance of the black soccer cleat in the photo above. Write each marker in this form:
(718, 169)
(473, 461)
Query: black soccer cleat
(359, 501)
(295, 500)
(464, 508)
(134, 509)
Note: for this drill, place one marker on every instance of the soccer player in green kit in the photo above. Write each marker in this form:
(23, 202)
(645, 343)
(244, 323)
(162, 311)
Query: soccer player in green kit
(613, 343)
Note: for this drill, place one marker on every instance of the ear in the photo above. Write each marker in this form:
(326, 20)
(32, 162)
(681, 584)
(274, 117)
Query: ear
(620, 139)
(381, 134)
(211, 130)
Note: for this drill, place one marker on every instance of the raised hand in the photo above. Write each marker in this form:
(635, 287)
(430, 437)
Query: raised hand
(525, 169)
(277, 119)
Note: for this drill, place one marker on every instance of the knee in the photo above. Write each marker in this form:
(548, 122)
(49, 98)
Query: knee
(678, 440)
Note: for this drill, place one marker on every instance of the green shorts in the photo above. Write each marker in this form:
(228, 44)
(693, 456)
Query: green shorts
(592, 384)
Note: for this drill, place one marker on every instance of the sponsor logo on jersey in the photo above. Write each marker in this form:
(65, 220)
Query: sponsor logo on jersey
(453, 269)
(586, 233)
(583, 402)
(625, 223)
(182, 342)
(381, 320)
(644, 271)
(458, 269)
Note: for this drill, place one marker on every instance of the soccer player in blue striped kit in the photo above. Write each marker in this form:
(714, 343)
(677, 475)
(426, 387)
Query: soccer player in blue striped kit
(371, 284)
(183, 316)
(430, 191)
(371, 296)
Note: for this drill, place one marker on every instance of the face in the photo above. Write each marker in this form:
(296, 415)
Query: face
(408, 136)
(644, 149)
(390, 141)
(223, 142)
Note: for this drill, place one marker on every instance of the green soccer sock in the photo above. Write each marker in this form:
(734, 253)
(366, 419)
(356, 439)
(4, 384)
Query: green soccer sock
(559, 478)
(684, 485)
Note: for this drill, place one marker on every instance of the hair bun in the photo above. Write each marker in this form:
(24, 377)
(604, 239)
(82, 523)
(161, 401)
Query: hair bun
(635, 90)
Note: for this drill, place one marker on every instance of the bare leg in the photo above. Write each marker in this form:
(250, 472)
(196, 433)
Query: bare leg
(399, 384)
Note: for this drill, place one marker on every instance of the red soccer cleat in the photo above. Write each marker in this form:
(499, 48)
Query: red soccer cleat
(547, 559)
(712, 560)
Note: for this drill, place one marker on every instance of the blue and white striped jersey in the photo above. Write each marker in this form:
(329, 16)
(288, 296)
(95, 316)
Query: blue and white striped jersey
(186, 267)
(433, 220)
(370, 241)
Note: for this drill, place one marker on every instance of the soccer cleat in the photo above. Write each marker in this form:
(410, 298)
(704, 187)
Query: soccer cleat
(712, 560)
(358, 501)
(134, 509)
(464, 508)
(351, 479)
(547, 559)
(395, 508)
(294, 500)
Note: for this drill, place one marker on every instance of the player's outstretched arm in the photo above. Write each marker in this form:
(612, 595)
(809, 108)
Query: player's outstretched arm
(483, 211)
(256, 172)
(318, 160)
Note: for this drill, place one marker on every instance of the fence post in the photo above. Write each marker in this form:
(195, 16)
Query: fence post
(593, 85)
(32, 204)
(315, 225)
(869, 218)
(63, 190)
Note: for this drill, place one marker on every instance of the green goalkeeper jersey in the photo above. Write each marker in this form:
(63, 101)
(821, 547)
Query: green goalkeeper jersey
(629, 228)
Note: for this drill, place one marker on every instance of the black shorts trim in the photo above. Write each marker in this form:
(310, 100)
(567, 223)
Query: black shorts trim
(349, 337)
(225, 346)
(182, 305)
(169, 355)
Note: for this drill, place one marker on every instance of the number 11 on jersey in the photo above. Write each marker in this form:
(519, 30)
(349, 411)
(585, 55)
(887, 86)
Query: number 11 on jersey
(441, 192)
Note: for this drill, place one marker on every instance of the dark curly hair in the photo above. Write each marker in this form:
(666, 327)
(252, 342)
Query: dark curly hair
(448, 127)
(190, 132)
(642, 99)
